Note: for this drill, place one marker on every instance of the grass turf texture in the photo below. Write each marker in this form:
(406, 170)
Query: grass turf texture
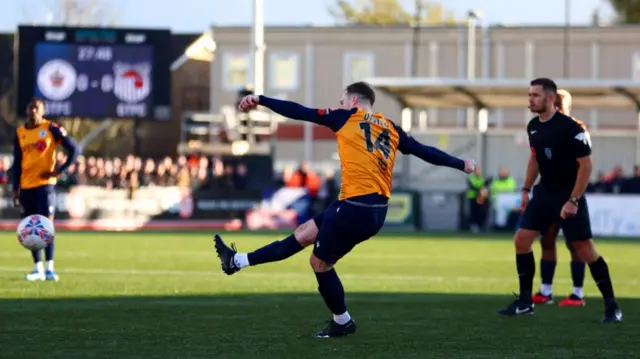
(162, 295)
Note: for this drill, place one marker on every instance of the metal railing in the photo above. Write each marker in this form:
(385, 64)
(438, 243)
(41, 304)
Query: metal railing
(228, 131)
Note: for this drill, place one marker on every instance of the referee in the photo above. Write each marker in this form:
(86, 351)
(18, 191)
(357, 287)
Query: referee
(561, 155)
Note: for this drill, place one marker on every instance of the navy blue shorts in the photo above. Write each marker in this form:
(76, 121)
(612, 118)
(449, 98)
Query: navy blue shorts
(39, 200)
(345, 224)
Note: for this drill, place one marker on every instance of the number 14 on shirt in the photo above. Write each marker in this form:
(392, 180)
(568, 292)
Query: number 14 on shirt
(381, 141)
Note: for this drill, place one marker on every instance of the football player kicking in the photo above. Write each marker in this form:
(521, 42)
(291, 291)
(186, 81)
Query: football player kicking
(367, 144)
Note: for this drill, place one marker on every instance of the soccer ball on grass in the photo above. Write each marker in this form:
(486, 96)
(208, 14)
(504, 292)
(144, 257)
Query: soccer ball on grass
(35, 232)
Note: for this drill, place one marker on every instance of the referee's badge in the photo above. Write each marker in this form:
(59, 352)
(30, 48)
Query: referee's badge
(584, 137)
(547, 151)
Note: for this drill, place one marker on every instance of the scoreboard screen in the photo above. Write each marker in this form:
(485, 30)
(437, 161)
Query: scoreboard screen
(96, 73)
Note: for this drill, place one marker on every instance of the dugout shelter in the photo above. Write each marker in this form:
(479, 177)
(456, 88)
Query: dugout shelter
(482, 95)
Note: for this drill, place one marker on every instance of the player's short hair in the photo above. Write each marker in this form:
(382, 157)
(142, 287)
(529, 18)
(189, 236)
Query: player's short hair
(363, 90)
(548, 85)
(36, 101)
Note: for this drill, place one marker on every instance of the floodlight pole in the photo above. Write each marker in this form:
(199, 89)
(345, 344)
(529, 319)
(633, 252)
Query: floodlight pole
(258, 47)
(309, 99)
(472, 18)
(408, 113)
(567, 29)
(417, 28)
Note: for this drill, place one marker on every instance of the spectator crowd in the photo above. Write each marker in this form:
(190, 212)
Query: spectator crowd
(482, 191)
(617, 182)
(209, 173)
(213, 173)
(133, 172)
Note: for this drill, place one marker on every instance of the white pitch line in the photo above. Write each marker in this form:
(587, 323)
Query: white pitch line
(205, 254)
(298, 275)
(444, 260)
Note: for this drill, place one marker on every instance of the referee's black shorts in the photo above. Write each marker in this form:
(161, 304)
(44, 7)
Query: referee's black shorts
(544, 209)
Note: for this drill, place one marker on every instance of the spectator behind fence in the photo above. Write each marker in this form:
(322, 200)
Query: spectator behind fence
(632, 184)
(477, 196)
(617, 179)
(240, 177)
(4, 177)
(195, 172)
(329, 190)
(172, 175)
(148, 173)
(504, 183)
(161, 176)
(184, 180)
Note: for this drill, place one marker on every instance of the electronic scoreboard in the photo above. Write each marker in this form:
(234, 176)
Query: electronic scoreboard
(95, 72)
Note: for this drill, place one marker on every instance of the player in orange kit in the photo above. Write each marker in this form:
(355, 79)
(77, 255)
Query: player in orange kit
(35, 174)
(367, 145)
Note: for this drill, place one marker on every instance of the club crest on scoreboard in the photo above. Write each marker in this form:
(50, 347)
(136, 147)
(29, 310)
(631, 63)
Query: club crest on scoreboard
(57, 80)
(132, 81)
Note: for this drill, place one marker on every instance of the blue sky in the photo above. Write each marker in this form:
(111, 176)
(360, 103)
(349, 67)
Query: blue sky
(199, 14)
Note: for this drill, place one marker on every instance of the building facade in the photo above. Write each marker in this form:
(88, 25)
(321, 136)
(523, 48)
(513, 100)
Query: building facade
(312, 64)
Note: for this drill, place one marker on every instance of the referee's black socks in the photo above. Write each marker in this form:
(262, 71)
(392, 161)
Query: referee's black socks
(547, 271)
(600, 272)
(526, 267)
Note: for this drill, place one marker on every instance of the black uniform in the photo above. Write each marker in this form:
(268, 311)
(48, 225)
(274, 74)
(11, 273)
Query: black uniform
(557, 143)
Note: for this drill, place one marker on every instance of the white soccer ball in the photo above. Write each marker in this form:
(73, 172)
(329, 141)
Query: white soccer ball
(35, 232)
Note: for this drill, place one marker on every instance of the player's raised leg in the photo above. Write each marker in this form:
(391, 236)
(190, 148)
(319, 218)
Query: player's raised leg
(578, 268)
(232, 261)
(577, 230)
(547, 265)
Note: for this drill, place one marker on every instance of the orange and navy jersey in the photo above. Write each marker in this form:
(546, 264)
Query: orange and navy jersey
(35, 154)
(367, 145)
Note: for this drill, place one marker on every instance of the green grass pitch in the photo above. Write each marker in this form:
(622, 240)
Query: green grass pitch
(162, 295)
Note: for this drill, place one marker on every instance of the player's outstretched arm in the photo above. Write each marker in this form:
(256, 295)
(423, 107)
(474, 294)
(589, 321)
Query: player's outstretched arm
(333, 119)
(409, 146)
(72, 148)
(16, 169)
